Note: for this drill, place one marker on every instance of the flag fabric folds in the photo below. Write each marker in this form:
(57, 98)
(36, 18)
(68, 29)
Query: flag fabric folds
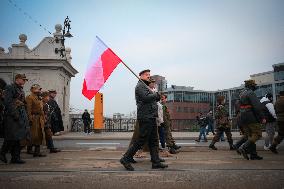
(102, 63)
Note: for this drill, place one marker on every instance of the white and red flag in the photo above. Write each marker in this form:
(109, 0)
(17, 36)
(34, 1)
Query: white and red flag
(102, 63)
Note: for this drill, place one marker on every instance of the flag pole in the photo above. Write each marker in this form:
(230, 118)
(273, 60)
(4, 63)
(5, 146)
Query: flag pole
(124, 64)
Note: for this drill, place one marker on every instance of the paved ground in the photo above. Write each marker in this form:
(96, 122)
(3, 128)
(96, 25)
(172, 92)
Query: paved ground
(193, 167)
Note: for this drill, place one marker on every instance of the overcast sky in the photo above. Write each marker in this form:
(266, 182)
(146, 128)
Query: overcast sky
(206, 44)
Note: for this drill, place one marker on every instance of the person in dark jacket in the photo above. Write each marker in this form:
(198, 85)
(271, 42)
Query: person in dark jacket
(47, 125)
(16, 120)
(202, 122)
(147, 112)
(251, 118)
(87, 121)
(279, 108)
(56, 117)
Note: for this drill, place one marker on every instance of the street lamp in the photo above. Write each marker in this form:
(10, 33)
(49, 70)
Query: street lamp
(62, 39)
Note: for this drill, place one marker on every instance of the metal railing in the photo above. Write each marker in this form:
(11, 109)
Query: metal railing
(127, 125)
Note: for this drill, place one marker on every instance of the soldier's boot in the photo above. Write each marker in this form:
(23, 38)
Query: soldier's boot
(30, 149)
(253, 154)
(37, 152)
(160, 160)
(172, 150)
(127, 158)
(156, 160)
(212, 146)
(244, 149)
(176, 147)
(125, 162)
(159, 165)
(273, 149)
(239, 143)
(16, 155)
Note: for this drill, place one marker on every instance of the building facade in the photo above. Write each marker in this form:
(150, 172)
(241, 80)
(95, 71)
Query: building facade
(43, 65)
(185, 103)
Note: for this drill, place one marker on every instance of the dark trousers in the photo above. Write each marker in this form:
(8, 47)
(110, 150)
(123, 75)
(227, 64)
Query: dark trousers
(161, 131)
(13, 146)
(86, 127)
(148, 131)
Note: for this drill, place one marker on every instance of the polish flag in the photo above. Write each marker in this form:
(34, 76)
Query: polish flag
(102, 63)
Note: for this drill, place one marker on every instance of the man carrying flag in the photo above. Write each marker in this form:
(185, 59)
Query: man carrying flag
(102, 63)
(147, 112)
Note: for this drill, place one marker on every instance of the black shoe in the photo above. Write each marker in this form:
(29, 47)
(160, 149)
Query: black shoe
(176, 147)
(173, 151)
(159, 165)
(126, 164)
(273, 149)
(17, 161)
(3, 158)
(162, 160)
(212, 147)
(131, 160)
(197, 140)
(54, 150)
(243, 152)
(256, 157)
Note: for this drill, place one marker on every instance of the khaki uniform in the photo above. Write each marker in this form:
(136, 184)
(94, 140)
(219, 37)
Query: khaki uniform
(36, 118)
(168, 127)
(222, 124)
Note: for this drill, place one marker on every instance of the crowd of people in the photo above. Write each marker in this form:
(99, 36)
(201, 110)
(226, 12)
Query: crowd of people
(154, 123)
(31, 121)
(27, 121)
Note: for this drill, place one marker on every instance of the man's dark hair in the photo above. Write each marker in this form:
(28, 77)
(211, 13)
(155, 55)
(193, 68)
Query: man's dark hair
(144, 71)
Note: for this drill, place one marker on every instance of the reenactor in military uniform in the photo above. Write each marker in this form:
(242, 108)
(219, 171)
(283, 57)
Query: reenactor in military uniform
(251, 117)
(16, 120)
(279, 108)
(47, 125)
(167, 124)
(56, 117)
(36, 118)
(222, 123)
